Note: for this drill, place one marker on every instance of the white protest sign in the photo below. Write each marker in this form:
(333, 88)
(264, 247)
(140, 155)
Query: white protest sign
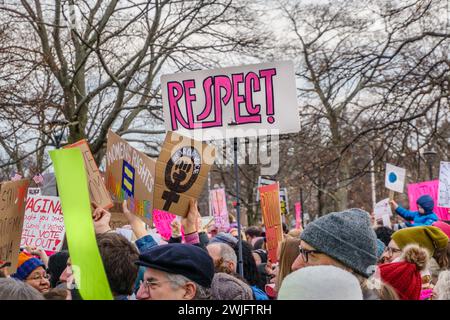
(386, 221)
(382, 208)
(263, 182)
(232, 102)
(444, 185)
(395, 178)
(43, 225)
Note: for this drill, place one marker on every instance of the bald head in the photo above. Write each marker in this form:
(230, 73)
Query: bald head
(223, 256)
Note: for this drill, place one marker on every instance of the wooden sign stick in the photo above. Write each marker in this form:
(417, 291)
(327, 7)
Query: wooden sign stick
(391, 197)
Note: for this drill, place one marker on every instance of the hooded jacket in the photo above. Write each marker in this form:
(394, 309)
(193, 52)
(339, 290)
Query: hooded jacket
(426, 219)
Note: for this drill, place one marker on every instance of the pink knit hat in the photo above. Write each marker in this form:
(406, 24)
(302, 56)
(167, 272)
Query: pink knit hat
(445, 227)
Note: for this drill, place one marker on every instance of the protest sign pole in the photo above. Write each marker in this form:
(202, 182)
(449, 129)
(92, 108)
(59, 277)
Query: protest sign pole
(209, 194)
(301, 206)
(238, 209)
(391, 197)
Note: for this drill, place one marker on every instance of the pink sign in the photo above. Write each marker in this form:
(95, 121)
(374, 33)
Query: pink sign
(162, 221)
(415, 190)
(298, 217)
(220, 212)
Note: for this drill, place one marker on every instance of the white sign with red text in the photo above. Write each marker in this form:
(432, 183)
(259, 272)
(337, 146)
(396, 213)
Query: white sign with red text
(43, 225)
(240, 101)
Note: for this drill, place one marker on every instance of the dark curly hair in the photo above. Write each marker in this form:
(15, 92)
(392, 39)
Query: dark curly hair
(251, 273)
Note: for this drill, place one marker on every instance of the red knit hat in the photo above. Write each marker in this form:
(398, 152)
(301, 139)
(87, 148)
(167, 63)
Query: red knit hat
(405, 276)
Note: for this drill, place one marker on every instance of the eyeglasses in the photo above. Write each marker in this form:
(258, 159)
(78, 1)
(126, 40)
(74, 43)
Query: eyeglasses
(153, 284)
(392, 250)
(40, 277)
(305, 253)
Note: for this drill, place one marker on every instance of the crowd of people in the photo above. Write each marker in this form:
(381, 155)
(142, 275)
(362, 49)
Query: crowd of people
(341, 255)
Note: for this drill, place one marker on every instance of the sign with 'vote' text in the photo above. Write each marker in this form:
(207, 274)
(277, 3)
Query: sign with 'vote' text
(43, 225)
(232, 102)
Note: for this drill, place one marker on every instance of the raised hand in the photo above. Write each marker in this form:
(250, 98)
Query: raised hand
(190, 221)
(101, 219)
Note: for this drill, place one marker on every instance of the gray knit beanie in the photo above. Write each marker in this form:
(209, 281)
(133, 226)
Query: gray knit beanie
(346, 236)
(227, 287)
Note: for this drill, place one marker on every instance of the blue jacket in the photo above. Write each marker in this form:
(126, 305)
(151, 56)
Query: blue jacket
(258, 294)
(418, 219)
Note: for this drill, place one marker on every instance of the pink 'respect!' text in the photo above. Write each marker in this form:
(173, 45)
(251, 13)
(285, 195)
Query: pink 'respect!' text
(218, 92)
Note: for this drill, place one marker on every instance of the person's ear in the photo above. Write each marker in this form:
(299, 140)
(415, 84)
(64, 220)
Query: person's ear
(191, 290)
(231, 266)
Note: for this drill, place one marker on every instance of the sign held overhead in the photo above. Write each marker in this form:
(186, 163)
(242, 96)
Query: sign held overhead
(181, 172)
(232, 102)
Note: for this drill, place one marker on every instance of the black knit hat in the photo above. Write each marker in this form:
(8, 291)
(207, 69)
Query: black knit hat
(187, 260)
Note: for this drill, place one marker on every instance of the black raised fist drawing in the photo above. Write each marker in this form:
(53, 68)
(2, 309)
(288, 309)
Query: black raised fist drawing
(181, 170)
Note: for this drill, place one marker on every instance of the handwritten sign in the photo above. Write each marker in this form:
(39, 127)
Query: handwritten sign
(271, 212)
(12, 208)
(181, 172)
(444, 185)
(220, 212)
(97, 189)
(43, 227)
(162, 221)
(382, 208)
(232, 102)
(130, 174)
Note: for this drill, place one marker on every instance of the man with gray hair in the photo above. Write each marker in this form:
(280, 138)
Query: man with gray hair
(11, 289)
(224, 257)
(176, 271)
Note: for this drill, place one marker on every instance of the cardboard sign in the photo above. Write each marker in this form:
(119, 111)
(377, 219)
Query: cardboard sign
(181, 172)
(219, 207)
(12, 209)
(382, 208)
(43, 227)
(97, 189)
(130, 174)
(284, 202)
(415, 190)
(232, 102)
(271, 212)
(444, 185)
(298, 215)
(263, 182)
(395, 178)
